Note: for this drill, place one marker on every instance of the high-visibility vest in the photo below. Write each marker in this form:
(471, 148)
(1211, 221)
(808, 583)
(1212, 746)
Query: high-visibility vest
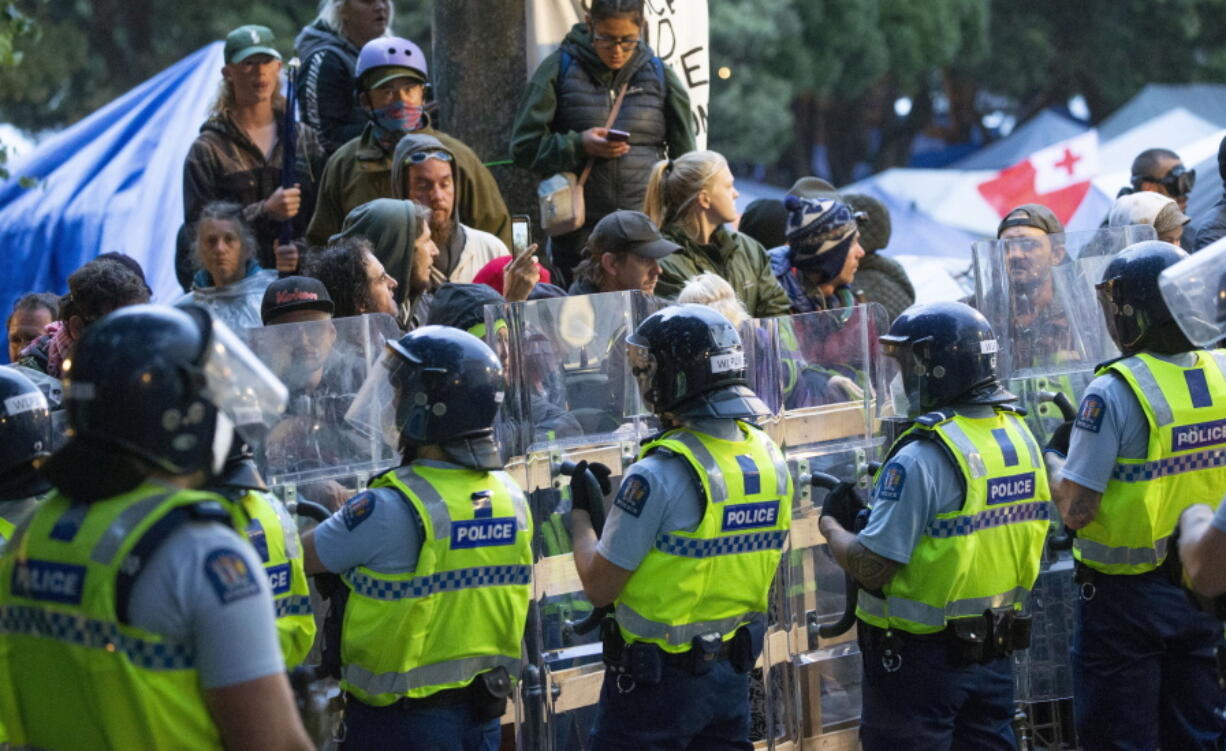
(76, 675)
(461, 611)
(1185, 463)
(715, 579)
(984, 555)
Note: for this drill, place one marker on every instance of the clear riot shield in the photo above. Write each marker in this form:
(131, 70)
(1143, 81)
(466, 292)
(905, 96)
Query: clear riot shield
(570, 397)
(833, 391)
(1195, 293)
(312, 451)
(1038, 294)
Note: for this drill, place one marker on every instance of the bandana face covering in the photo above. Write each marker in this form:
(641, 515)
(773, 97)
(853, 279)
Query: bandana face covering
(396, 119)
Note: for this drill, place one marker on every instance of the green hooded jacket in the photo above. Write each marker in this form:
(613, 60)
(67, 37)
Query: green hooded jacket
(739, 259)
(361, 170)
(390, 227)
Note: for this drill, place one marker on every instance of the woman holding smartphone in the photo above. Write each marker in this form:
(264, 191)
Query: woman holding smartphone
(561, 121)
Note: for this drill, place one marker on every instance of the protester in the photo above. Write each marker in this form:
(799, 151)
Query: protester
(879, 278)
(690, 198)
(328, 49)
(516, 279)
(31, 315)
(399, 236)
(561, 121)
(355, 279)
(711, 290)
(392, 77)
(1162, 171)
(229, 280)
(765, 220)
(818, 265)
(238, 154)
(623, 252)
(424, 170)
(1211, 226)
(1154, 209)
(95, 289)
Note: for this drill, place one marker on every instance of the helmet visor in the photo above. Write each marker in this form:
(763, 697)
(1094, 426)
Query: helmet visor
(374, 410)
(907, 382)
(643, 367)
(1195, 292)
(239, 385)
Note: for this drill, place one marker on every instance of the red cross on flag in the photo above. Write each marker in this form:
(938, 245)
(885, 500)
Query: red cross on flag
(1057, 177)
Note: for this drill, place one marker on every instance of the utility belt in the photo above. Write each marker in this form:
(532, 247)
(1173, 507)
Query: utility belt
(487, 695)
(1088, 579)
(643, 662)
(977, 640)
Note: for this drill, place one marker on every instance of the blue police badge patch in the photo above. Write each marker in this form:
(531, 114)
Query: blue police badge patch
(230, 575)
(632, 495)
(889, 487)
(1090, 416)
(358, 509)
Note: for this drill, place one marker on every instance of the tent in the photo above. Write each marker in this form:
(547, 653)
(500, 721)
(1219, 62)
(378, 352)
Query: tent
(111, 182)
(1042, 130)
(1205, 100)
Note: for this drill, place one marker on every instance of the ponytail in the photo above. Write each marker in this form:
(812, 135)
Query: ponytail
(675, 184)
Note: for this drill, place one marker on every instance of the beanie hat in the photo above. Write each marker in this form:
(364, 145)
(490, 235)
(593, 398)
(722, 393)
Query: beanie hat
(874, 219)
(820, 234)
(765, 220)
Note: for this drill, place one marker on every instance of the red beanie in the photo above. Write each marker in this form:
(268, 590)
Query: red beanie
(491, 273)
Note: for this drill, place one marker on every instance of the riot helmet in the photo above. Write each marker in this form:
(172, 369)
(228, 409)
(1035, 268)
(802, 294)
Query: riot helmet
(25, 435)
(167, 385)
(435, 385)
(689, 362)
(946, 354)
(1137, 316)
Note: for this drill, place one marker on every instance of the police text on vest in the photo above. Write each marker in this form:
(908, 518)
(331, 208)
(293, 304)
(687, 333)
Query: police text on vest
(1188, 437)
(750, 515)
(278, 578)
(45, 580)
(1011, 488)
(480, 533)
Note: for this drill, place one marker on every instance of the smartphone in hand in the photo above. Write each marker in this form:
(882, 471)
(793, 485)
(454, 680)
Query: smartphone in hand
(521, 234)
(617, 136)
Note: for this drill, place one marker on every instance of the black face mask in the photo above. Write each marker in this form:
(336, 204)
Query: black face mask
(1178, 182)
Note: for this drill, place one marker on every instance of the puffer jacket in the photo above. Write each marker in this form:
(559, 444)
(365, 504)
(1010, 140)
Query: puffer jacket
(739, 259)
(326, 88)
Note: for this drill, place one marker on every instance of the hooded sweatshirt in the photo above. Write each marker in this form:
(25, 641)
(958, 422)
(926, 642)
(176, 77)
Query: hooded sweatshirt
(390, 227)
(467, 250)
(327, 94)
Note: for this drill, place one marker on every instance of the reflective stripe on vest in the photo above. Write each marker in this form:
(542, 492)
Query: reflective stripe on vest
(683, 634)
(1184, 464)
(439, 673)
(919, 612)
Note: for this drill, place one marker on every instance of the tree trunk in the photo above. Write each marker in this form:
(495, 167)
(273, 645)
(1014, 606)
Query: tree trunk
(479, 74)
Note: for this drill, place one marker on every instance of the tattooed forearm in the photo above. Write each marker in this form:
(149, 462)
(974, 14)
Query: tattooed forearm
(870, 569)
(1079, 504)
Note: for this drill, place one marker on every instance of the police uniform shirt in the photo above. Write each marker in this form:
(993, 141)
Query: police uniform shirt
(205, 585)
(1110, 425)
(915, 485)
(660, 493)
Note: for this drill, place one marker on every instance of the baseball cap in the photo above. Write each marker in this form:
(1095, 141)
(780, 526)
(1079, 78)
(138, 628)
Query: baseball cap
(632, 232)
(376, 77)
(294, 293)
(249, 40)
(1031, 215)
(1147, 207)
(812, 187)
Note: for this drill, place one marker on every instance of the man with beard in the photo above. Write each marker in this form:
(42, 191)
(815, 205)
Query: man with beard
(1040, 330)
(623, 253)
(392, 76)
(424, 170)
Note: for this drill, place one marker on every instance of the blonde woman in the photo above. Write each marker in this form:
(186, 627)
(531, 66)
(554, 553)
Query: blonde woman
(711, 290)
(691, 198)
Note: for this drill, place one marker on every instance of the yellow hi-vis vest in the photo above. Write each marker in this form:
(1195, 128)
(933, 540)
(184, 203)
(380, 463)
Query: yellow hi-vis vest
(984, 555)
(272, 532)
(462, 611)
(74, 676)
(1185, 463)
(6, 532)
(716, 578)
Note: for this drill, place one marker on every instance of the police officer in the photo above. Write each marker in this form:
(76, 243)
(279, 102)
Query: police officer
(131, 615)
(690, 547)
(952, 544)
(1146, 445)
(436, 555)
(272, 532)
(25, 438)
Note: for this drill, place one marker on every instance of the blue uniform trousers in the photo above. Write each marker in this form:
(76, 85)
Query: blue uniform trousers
(450, 728)
(682, 711)
(1143, 667)
(929, 703)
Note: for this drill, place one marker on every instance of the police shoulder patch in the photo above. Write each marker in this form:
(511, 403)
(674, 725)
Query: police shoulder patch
(889, 486)
(358, 509)
(230, 575)
(1090, 416)
(632, 495)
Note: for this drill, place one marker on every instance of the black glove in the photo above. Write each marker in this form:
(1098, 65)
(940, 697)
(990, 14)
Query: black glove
(580, 490)
(843, 504)
(1060, 438)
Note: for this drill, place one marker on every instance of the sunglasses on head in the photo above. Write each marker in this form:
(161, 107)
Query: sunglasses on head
(418, 157)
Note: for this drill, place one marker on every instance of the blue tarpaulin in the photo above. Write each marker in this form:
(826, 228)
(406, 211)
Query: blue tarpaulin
(111, 182)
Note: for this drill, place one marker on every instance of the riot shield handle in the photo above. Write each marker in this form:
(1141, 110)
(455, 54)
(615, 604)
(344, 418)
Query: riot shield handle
(851, 586)
(1063, 539)
(311, 510)
(597, 513)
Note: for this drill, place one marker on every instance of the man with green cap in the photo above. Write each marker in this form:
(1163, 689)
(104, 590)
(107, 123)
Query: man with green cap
(392, 76)
(238, 155)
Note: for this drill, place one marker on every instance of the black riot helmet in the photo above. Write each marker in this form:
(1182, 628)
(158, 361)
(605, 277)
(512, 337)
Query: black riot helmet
(167, 385)
(1137, 315)
(435, 385)
(689, 362)
(25, 435)
(946, 354)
